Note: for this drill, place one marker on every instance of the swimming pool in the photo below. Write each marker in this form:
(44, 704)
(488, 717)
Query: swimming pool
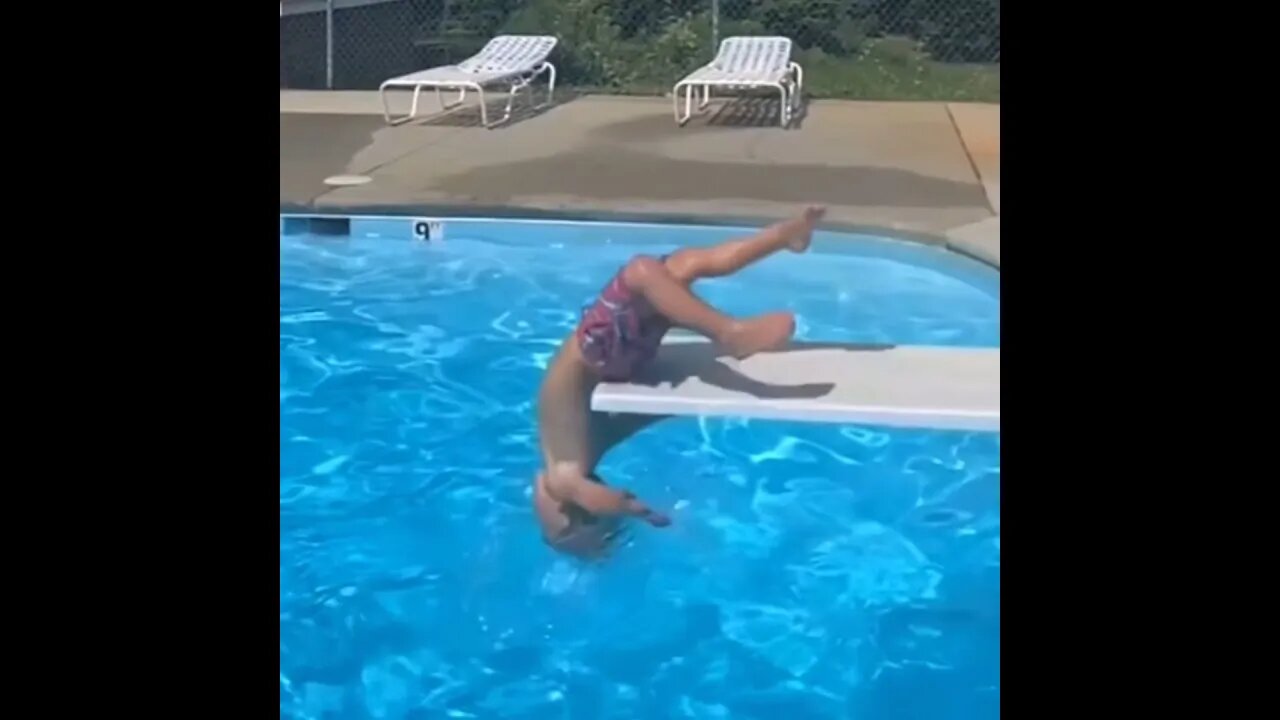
(812, 571)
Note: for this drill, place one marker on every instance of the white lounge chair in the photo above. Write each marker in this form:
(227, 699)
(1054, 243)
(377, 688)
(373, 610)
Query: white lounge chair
(745, 62)
(516, 60)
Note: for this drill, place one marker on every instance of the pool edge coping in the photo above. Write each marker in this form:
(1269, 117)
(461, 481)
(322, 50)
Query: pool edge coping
(960, 245)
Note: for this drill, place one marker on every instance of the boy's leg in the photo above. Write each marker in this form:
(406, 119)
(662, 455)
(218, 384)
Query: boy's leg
(729, 257)
(672, 297)
(654, 280)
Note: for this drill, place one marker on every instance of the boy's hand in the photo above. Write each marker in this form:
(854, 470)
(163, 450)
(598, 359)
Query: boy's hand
(648, 514)
(598, 499)
(657, 519)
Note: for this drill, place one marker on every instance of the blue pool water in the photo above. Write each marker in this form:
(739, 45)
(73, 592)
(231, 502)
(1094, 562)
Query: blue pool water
(812, 571)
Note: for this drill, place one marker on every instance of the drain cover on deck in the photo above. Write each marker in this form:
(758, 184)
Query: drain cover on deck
(347, 180)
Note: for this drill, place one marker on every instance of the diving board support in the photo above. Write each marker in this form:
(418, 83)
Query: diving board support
(896, 386)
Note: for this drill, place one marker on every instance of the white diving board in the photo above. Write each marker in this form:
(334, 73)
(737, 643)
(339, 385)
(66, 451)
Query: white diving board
(896, 386)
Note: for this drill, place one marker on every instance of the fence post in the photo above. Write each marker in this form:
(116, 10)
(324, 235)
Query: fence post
(328, 44)
(715, 26)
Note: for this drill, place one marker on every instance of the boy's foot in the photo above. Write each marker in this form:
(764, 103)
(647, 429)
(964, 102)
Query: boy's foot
(766, 332)
(809, 218)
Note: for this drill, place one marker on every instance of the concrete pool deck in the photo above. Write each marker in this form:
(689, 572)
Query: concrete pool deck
(928, 171)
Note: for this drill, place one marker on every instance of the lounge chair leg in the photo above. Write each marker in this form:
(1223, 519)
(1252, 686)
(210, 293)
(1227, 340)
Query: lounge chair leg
(484, 110)
(688, 103)
(551, 83)
(797, 89)
(784, 105)
(386, 106)
(511, 98)
(462, 96)
(413, 109)
(706, 98)
(386, 109)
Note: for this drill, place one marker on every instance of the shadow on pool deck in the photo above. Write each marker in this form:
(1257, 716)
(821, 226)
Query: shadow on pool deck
(723, 115)
(468, 114)
(744, 112)
(896, 166)
(633, 174)
(753, 112)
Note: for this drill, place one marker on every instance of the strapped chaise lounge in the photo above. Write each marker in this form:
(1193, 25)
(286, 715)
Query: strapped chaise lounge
(514, 60)
(745, 62)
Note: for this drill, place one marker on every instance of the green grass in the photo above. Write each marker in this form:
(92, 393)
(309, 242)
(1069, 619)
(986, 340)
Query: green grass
(895, 69)
(885, 69)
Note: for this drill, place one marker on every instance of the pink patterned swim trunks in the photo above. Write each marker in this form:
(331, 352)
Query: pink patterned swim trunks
(620, 331)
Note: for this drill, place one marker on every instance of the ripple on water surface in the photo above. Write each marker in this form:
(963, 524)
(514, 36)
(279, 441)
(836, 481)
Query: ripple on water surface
(812, 571)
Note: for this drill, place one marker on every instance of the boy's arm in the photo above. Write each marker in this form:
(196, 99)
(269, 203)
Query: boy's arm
(599, 499)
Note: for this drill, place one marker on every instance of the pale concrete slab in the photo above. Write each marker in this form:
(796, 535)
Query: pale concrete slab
(993, 194)
(314, 147)
(896, 166)
(903, 386)
(332, 102)
(979, 128)
(904, 167)
(981, 240)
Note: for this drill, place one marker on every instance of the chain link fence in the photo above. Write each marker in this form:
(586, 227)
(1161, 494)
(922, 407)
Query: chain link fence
(861, 49)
